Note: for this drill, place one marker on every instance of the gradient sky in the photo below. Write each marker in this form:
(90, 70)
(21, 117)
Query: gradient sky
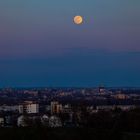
(41, 46)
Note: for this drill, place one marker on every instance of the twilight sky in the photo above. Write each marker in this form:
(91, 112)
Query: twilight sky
(41, 46)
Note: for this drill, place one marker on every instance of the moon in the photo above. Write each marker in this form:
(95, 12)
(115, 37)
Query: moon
(78, 20)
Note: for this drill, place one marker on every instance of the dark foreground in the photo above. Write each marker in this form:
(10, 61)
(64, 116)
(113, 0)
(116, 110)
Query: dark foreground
(64, 134)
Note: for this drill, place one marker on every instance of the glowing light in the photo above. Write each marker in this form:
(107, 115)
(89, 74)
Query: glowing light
(78, 20)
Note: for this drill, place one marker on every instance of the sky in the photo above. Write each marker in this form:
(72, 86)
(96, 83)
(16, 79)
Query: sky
(41, 46)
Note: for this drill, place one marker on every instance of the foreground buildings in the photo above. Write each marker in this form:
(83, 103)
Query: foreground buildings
(29, 107)
(57, 107)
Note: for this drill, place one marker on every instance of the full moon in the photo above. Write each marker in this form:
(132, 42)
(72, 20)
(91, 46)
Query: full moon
(78, 20)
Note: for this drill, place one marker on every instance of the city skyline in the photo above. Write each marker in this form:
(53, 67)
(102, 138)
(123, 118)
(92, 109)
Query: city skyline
(41, 46)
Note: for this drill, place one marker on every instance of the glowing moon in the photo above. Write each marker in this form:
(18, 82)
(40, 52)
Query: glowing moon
(78, 20)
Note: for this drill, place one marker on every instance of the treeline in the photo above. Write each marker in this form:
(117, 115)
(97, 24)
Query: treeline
(117, 120)
(110, 125)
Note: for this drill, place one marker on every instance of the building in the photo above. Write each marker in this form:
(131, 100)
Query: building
(121, 96)
(45, 120)
(55, 121)
(29, 108)
(21, 121)
(67, 108)
(10, 108)
(56, 108)
(102, 90)
(105, 107)
(31, 92)
(1, 121)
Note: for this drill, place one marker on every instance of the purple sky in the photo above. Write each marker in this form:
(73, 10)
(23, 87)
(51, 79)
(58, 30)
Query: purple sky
(41, 46)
